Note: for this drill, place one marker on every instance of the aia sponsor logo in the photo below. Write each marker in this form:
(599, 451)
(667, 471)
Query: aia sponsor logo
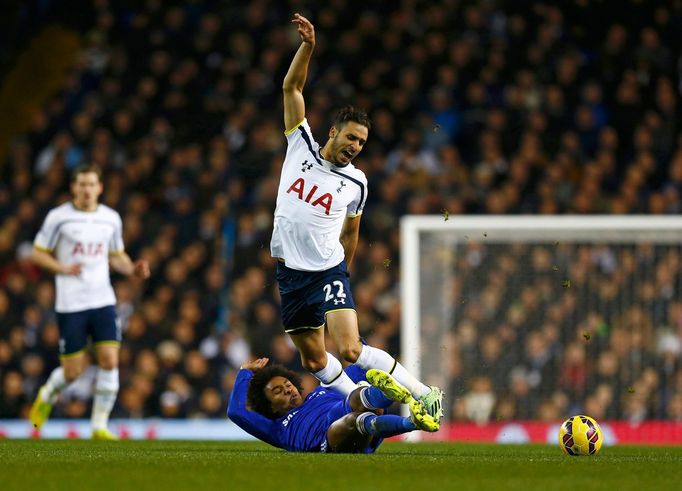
(310, 195)
(88, 249)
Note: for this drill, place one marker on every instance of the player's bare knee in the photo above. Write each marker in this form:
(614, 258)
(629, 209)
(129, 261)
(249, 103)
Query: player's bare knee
(348, 421)
(313, 364)
(344, 437)
(72, 373)
(107, 364)
(344, 426)
(107, 361)
(350, 352)
(355, 401)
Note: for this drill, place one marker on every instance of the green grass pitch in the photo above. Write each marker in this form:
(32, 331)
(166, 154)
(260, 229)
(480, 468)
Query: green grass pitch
(235, 466)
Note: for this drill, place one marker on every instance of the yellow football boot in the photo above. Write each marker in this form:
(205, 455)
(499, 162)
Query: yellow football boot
(105, 435)
(40, 411)
(388, 385)
(421, 417)
(433, 402)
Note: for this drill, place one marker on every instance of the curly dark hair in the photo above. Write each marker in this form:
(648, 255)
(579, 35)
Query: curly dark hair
(349, 113)
(255, 396)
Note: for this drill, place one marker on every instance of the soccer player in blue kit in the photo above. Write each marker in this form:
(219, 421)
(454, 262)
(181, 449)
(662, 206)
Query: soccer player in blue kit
(266, 402)
(320, 200)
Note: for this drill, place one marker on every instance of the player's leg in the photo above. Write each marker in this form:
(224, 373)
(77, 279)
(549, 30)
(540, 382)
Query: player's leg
(369, 398)
(353, 432)
(343, 327)
(342, 322)
(72, 341)
(343, 435)
(324, 366)
(387, 425)
(383, 392)
(107, 340)
(70, 369)
(301, 295)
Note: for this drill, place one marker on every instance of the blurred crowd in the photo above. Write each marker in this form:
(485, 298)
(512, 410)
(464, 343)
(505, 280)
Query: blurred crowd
(478, 107)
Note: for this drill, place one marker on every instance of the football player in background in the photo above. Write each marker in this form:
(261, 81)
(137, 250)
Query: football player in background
(78, 242)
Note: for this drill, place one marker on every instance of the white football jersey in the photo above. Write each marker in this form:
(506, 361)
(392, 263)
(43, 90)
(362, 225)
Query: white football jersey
(313, 200)
(88, 238)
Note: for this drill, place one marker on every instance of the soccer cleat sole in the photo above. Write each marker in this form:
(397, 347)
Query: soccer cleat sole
(421, 418)
(388, 385)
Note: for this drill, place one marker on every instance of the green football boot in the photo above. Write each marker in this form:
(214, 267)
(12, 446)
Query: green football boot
(433, 402)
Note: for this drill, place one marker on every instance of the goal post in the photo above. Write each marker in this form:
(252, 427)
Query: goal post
(434, 247)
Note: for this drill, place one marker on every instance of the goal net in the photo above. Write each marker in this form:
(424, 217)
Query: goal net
(540, 317)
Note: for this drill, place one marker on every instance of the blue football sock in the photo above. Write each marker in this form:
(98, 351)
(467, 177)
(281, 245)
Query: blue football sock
(373, 398)
(387, 425)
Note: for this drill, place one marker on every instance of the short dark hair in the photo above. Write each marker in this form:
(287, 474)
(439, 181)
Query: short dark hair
(349, 113)
(256, 393)
(86, 169)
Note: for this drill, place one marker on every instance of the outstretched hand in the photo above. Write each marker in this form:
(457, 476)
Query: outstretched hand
(255, 365)
(305, 28)
(141, 269)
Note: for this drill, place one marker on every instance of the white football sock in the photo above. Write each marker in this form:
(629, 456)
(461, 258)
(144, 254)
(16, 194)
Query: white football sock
(106, 390)
(360, 423)
(54, 385)
(333, 376)
(371, 357)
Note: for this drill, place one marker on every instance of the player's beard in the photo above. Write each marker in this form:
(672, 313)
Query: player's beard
(340, 154)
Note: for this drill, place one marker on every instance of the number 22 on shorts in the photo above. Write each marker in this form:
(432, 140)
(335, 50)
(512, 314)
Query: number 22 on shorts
(340, 294)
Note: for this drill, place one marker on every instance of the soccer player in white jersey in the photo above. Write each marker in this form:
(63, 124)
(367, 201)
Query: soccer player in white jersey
(320, 200)
(78, 242)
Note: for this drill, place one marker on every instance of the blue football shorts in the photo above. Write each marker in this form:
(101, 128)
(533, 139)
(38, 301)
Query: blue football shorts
(307, 296)
(101, 325)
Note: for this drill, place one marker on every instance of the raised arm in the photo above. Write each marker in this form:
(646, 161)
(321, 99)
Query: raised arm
(250, 421)
(294, 105)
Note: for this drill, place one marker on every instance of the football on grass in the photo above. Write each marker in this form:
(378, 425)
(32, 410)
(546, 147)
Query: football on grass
(580, 435)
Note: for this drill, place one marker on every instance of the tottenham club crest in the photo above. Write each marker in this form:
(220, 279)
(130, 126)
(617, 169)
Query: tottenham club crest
(340, 188)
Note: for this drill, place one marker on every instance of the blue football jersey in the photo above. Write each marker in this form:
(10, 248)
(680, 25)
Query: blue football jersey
(303, 429)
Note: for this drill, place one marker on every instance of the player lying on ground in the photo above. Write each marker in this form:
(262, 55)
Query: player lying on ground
(266, 402)
(320, 201)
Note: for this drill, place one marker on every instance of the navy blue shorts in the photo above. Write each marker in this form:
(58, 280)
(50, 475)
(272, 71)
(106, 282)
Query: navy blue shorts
(75, 327)
(307, 296)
